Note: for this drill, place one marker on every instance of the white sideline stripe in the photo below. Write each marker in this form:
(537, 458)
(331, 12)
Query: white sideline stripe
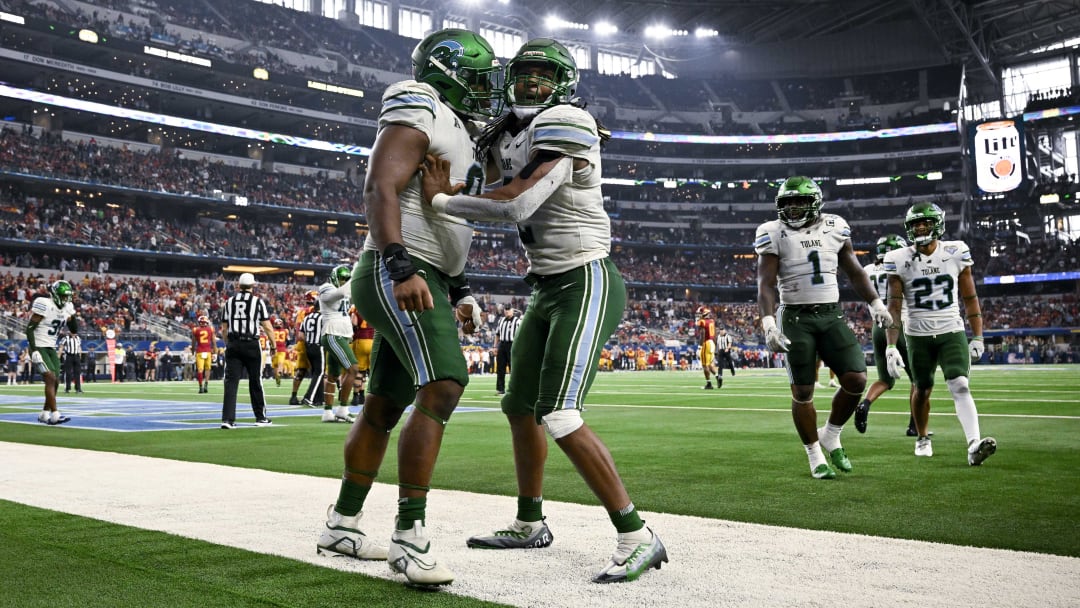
(713, 562)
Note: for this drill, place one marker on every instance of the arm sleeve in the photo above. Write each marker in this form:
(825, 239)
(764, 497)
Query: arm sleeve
(515, 210)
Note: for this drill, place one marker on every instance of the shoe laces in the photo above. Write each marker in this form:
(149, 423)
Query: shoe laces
(630, 544)
(518, 529)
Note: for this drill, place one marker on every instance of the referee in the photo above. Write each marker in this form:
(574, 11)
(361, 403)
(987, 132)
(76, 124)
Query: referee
(723, 345)
(71, 350)
(504, 340)
(241, 317)
(311, 328)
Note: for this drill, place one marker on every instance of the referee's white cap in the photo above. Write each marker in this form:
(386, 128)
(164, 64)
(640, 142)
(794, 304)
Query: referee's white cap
(246, 280)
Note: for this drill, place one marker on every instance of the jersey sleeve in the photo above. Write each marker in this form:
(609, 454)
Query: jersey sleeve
(565, 129)
(40, 306)
(964, 255)
(411, 104)
(764, 241)
(892, 258)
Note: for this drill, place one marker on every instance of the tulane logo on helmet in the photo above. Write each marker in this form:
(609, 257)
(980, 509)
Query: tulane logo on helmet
(462, 67)
(61, 293)
(340, 275)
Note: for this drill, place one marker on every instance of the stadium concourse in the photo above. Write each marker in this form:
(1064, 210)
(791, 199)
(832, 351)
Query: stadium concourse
(746, 564)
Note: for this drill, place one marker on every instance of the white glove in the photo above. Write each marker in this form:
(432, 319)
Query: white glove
(776, 341)
(468, 311)
(976, 347)
(893, 361)
(880, 313)
(35, 358)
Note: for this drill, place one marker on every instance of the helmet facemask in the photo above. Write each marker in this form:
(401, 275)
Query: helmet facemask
(925, 213)
(542, 74)
(798, 211)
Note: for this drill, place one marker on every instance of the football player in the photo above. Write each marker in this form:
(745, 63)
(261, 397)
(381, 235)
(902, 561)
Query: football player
(281, 346)
(48, 315)
(885, 382)
(413, 263)
(363, 336)
(931, 277)
(799, 253)
(547, 153)
(706, 335)
(202, 336)
(338, 357)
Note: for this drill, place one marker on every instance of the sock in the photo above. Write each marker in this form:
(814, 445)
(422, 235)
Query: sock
(351, 498)
(830, 439)
(813, 451)
(530, 508)
(410, 510)
(968, 415)
(627, 519)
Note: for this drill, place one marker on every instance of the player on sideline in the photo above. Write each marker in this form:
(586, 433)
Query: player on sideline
(411, 272)
(931, 277)
(202, 336)
(48, 315)
(706, 335)
(885, 382)
(548, 152)
(800, 252)
(338, 357)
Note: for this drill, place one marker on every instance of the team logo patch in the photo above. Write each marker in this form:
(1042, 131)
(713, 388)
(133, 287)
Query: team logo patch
(830, 222)
(951, 249)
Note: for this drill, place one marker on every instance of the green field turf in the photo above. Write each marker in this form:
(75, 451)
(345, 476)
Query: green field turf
(729, 454)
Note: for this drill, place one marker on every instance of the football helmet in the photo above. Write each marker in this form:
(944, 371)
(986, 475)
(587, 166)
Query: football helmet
(929, 212)
(278, 324)
(462, 67)
(552, 55)
(340, 275)
(799, 201)
(703, 312)
(203, 320)
(887, 243)
(61, 293)
(311, 297)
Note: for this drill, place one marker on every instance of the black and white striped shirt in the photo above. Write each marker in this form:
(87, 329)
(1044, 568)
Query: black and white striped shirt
(312, 328)
(506, 328)
(71, 345)
(724, 342)
(243, 314)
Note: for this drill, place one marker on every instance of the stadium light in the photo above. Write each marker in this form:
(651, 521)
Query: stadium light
(554, 22)
(662, 31)
(604, 28)
(704, 32)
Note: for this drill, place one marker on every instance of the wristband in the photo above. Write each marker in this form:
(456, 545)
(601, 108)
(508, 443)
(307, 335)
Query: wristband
(398, 264)
(974, 338)
(459, 293)
(440, 201)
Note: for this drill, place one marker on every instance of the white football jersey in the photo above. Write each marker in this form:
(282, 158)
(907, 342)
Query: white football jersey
(334, 304)
(53, 319)
(809, 257)
(571, 228)
(439, 239)
(931, 288)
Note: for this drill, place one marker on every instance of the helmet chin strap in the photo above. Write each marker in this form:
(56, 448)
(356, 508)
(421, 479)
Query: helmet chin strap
(526, 112)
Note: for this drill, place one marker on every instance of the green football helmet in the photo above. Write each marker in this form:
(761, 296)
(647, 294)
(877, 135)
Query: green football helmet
(340, 275)
(464, 70)
(887, 243)
(552, 55)
(61, 293)
(925, 211)
(799, 201)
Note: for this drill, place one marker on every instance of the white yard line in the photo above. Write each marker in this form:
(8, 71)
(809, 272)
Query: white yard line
(713, 562)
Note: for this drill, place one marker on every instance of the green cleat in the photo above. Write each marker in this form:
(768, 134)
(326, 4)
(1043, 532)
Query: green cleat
(823, 471)
(840, 460)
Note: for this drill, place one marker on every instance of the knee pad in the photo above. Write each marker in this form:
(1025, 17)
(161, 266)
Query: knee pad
(958, 385)
(561, 423)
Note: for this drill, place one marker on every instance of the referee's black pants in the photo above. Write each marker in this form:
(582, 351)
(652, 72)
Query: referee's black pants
(314, 392)
(243, 355)
(72, 372)
(726, 362)
(502, 361)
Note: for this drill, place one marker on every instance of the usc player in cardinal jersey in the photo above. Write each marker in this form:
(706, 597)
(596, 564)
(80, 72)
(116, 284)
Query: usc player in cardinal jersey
(203, 340)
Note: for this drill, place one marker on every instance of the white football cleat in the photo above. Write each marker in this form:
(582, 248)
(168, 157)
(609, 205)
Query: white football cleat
(978, 451)
(634, 555)
(342, 536)
(410, 554)
(923, 447)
